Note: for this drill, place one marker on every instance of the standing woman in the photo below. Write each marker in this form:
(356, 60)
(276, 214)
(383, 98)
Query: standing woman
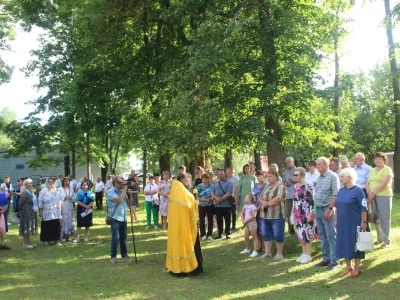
(164, 188)
(379, 189)
(84, 199)
(4, 204)
(28, 220)
(246, 185)
(303, 204)
(133, 196)
(67, 220)
(206, 207)
(50, 204)
(256, 193)
(272, 215)
(351, 215)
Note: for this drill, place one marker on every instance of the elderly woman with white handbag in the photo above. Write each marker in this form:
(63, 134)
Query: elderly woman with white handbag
(351, 217)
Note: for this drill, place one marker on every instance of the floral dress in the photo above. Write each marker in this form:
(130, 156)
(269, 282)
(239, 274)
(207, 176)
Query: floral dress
(67, 220)
(303, 203)
(165, 188)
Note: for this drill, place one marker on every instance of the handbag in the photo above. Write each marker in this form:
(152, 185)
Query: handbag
(231, 199)
(372, 215)
(365, 241)
(108, 217)
(291, 219)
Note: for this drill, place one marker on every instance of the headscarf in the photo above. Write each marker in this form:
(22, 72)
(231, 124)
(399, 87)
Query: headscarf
(48, 185)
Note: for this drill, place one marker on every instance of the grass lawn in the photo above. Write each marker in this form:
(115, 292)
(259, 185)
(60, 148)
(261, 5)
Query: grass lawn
(84, 270)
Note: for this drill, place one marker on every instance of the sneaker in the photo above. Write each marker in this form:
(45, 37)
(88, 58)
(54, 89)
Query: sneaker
(203, 238)
(306, 259)
(63, 240)
(218, 237)
(254, 254)
(245, 251)
(126, 257)
(47, 244)
(278, 257)
(147, 227)
(209, 238)
(300, 258)
(114, 260)
(86, 239)
(75, 241)
(265, 255)
(28, 246)
(333, 266)
(4, 247)
(58, 244)
(228, 237)
(323, 264)
(155, 227)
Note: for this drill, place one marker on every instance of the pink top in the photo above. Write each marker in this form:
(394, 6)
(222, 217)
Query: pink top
(249, 211)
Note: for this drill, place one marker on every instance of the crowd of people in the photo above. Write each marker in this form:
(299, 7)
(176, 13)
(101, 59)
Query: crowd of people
(329, 201)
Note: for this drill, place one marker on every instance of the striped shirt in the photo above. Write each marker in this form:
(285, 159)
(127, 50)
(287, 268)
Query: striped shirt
(327, 187)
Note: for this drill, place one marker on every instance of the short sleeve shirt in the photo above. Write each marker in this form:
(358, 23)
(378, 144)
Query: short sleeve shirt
(327, 187)
(120, 211)
(376, 177)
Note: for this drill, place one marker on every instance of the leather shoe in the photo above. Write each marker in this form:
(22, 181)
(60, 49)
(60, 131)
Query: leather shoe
(323, 264)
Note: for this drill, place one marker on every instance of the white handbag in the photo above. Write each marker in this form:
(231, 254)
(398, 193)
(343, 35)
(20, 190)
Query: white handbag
(291, 219)
(365, 241)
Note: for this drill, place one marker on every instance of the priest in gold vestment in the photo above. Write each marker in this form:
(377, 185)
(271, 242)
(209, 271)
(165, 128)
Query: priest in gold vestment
(183, 244)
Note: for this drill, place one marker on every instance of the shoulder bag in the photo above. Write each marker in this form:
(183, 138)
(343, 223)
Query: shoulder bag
(231, 199)
(108, 217)
(372, 214)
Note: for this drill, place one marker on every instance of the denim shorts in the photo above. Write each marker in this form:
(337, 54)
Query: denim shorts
(273, 230)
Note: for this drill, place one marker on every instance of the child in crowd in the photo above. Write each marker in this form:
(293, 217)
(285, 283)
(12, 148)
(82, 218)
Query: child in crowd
(249, 220)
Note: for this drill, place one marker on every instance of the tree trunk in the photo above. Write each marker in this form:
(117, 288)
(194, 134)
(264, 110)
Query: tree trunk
(165, 163)
(257, 160)
(275, 149)
(396, 95)
(144, 167)
(337, 97)
(88, 166)
(192, 168)
(116, 159)
(67, 167)
(73, 161)
(228, 159)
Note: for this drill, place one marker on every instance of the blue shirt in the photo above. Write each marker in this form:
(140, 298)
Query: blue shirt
(119, 213)
(362, 174)
(217, 190)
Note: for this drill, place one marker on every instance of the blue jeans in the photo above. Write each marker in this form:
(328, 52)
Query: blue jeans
(118, 235)
(273, 230)
(327, 235)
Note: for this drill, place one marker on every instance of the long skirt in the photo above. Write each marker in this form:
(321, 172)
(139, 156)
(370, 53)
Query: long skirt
(50, 230)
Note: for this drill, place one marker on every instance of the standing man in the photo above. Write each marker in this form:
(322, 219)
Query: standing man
(235, 183)
(183, 244)
(334, 166)
(362, 170)
(221, 191)
(99, 193)
(108, 185)
(324, 200)
(58, 183)
(289, 183)
(116, 201)
(252, 165)
(182, 169)
(72, 182)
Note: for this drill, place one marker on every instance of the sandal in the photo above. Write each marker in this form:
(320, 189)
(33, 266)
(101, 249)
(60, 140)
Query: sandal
(354, 275)
(348, 273)
(377, 243)
(383, 246)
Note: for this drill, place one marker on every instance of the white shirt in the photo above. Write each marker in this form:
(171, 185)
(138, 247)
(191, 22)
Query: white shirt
(108, 185)
(72, 183)
(99, 187)
(311, 179)
(150, 188)
(5, 189)
(235, 183)
(58, 183)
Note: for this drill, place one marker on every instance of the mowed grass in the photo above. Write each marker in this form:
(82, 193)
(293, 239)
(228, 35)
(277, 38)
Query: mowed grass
(84, 271)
